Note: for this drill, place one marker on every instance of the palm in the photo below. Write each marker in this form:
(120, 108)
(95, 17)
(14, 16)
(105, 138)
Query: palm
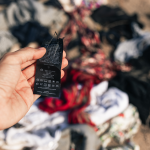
(16, 86)
(19, 102)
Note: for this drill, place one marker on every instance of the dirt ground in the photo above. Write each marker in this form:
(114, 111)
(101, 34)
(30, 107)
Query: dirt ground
(142, 138)
(142, 8)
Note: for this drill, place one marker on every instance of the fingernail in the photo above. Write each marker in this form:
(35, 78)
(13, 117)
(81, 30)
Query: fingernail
(41, 48)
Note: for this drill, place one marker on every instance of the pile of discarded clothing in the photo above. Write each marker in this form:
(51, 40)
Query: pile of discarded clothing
(104, 99)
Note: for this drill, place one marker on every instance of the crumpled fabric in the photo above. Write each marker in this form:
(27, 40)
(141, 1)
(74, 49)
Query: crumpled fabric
(132, 48)
(138, 71)
(71, 5)
(31, 32)
(106, 104)
(73, 98)
(138, 92)
(89, 39)
(128, 146)
(55, 3)
(90, 4)
(79, 101)
(98, 66)
(37, 130)
(18, 139)
(17, 13)
(115, 23)
(22, 11)
(121, 128)
(105, 15)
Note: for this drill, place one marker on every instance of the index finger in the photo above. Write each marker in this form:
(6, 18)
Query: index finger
(28, 63)
(64, 54)
(28, 54)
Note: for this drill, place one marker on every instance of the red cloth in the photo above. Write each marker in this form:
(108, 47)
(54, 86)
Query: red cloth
(88, 38)
(82, 77)
(96, 67)
(73, 99)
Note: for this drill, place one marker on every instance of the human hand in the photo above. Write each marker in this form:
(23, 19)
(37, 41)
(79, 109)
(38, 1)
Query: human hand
(16, 83)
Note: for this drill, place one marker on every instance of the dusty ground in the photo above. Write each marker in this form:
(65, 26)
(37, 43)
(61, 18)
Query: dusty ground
(142, 138)
(140, 7)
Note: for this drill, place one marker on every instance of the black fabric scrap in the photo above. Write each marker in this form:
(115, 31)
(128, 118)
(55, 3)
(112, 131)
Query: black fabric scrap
(141, 67)
(6, 2)
(138, 92)
(116, 24)
(54, 3)
(31, 32)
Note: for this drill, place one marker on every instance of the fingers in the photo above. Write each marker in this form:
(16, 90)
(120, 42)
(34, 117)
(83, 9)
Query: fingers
(31, 81)
(28, 56)
(24, 55)
(28, 63)
(30, 71)
(62, 73)
(64, 63)
(64, 54)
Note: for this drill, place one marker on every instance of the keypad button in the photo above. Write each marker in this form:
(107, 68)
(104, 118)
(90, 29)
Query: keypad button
(45, 80)
(49, 81)
(45, 84)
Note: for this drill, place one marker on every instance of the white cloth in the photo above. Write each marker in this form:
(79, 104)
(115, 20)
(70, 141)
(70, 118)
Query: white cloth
(70, 5)
(132, 48)
(39, 130)
(36, 119)
(98, 90)
(106, 104)
(19, 138)
(127, 121)
(31, 10)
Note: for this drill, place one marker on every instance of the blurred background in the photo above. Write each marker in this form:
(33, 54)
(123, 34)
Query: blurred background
(104, 102)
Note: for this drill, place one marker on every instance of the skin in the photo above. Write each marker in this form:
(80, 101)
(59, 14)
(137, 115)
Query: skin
(17, 77)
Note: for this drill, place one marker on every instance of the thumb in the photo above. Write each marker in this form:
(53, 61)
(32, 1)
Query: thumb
(25, 54)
